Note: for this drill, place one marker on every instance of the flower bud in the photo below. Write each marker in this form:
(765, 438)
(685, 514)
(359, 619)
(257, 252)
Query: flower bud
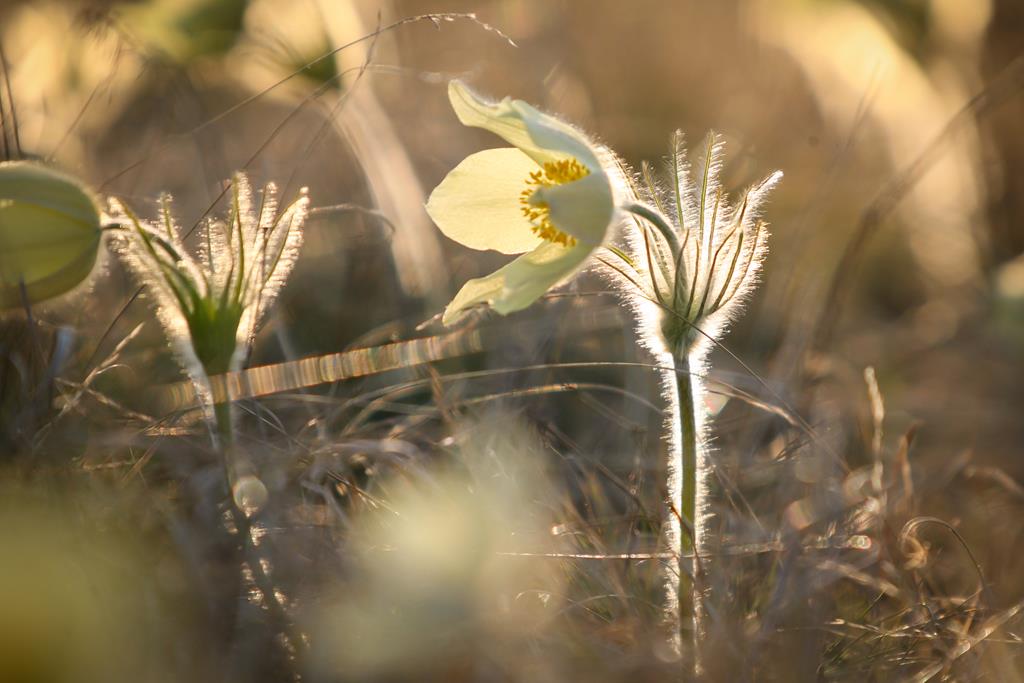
(49, 233)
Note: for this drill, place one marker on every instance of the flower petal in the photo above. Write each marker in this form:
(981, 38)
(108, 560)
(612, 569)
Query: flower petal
(582, 208)
(550, 133)
(518, 284)
(544, 138)
(49, 233)
(477, 204)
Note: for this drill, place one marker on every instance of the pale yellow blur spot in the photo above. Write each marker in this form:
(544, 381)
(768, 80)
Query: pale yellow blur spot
(854, 63)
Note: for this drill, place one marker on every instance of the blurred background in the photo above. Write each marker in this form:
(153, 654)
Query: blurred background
(897, 236)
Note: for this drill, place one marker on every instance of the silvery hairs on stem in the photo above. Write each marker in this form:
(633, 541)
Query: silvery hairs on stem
(210, 304)
(691, 257)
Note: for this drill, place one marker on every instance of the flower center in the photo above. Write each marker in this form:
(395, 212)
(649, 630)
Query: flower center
(536, 210)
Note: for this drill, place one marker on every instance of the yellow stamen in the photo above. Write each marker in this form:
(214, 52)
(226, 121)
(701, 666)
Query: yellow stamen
(537, 211)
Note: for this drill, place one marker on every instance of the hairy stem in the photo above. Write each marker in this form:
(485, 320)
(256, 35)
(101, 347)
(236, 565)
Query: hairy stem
(684, 445)
(238, 473)
(654, 217)
(688, 428)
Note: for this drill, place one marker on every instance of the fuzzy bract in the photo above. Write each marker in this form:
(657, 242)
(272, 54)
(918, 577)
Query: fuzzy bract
(690, 283)
(210, 305)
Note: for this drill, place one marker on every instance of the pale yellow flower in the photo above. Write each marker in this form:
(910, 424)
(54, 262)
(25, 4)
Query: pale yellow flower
(547, 198)
(49, 233)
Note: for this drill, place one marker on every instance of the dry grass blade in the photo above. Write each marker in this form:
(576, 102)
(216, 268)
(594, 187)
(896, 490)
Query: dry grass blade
(982, 633)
